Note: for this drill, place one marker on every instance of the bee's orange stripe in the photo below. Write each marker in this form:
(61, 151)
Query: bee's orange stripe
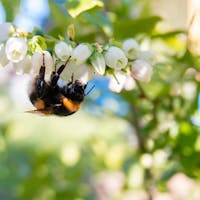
(39, 104)
(70, 105)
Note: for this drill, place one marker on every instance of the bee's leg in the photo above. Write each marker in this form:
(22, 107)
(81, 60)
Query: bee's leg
(40, 83)
(39, 88)
(66, 89)
(72, 80)
(55, 75)
(85, 86)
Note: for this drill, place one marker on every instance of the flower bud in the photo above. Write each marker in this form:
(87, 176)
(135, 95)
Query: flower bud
(141, 70)
(37, 62)
(63, 50)
(115, 58)
(3, 58)
(16, 49)
(131, 48)
(6, 29)
(98, 62)
(80, 54)
(71, 31)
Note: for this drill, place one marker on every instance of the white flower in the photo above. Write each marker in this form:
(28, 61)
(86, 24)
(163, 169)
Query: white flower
(69, 69)
(24, 66)
(141, 70)
(131, 48)
(5, 30)
(82, 72)
(37, 62)
(63, 50)
(117, 83)
(80, 54)
(3, 58)
(115, 58)
(129, 84)
(16, 48)
(98, 62)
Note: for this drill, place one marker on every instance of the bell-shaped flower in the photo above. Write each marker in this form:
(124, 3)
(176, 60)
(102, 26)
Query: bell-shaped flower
(82, 72)
(63, 50)
(131, 48)
(141, 70)
(3, 58)
(117, 82)
(38, 61)
(80, 54)
(98, 62)
(5, 30)
(16, 49)
(69, 69)
(130, 83)
(115, 58)
(24, 66)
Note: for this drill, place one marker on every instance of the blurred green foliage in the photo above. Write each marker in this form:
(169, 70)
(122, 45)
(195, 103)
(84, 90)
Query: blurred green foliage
(54, 158)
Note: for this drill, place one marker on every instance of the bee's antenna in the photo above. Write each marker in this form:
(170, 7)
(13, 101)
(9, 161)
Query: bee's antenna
(43, 59)
(90, 90)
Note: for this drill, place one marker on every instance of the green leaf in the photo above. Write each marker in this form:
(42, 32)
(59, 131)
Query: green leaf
(168, 35)
(75, 8)
(100, 20)
(37, 43)
(59, 18)
(11, 7)
(132, 27)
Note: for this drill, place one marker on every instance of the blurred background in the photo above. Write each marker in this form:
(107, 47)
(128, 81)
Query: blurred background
(140, 144)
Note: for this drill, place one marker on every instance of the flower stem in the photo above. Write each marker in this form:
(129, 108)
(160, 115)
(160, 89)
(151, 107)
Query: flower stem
(142, 91)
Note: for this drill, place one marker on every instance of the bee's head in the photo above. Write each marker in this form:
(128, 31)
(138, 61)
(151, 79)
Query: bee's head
(77, 91)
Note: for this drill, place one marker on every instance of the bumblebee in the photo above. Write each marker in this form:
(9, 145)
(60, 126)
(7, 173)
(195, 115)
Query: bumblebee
(51, 99)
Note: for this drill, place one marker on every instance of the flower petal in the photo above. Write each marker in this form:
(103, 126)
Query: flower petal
(131, 48)
(3, 58)
(116, 83)
(141, 70)
(63, 50)
(115, 58)
(6, 29)
(37, 62)
(98, 62)
(80, 54)
(16, 48)
(24, 66)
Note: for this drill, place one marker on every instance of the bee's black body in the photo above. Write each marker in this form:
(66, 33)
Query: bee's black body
(50, 98)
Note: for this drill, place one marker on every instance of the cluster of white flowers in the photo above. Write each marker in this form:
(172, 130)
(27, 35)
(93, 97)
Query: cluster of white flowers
(122, 64)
